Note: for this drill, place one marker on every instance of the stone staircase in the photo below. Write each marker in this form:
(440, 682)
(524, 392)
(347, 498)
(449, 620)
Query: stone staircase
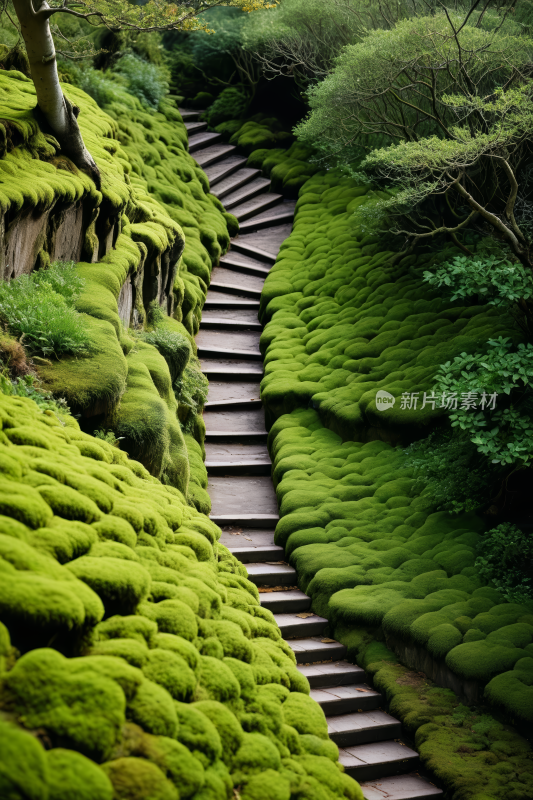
(241, 490)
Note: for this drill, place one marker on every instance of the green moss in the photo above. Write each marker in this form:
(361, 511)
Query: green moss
(157, 699)
(152, 709)
(301, 713)
(138, 779)
(74, 775)
(24, 769)
(78, 707)
(169, 670)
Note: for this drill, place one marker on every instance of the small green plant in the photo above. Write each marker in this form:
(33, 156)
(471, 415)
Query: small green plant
(39, 310)
(28, 386)
(174, 348)
(505, 558)
(107, 436)
(449, 466)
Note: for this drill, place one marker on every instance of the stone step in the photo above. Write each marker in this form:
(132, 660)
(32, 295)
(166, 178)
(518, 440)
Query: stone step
(293, 626)
(246, 193)
(234, 182)
(235, 422)
(245, 305)
(210, 155)
(269, 240)
(347, 699)
(221, 324)
(244, 467)
(253, 555)
(239, 535)
(340, 673)
(206, 351)
(236, 450)
(371, 762)
(360, 728)
(243, 497)
(261, 221)
(252, 207)
(252, 250)
(220, 170)
(248, 267)
(195, 127)
(218, 369)
(239, 315)
(265, 574)
(293, 601)
(242, 343)
(228, 437)
(235, 288)
(316, 648)
(224, 392)
(190, 114)
(402, 787)
(199, 141)
(248, 520)
(232, 405)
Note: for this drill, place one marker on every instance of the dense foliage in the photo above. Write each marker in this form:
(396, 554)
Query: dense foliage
(506, 560)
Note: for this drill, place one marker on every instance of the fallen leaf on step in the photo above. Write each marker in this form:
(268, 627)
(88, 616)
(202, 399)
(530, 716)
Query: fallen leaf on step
(305, 615)
(235, 533)
(328, 641)
(363, 690)
(247, 538)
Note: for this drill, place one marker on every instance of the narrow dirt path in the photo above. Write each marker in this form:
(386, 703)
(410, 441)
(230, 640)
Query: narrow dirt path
(241, 490)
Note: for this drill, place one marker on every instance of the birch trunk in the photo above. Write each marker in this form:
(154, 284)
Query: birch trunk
(57, 110)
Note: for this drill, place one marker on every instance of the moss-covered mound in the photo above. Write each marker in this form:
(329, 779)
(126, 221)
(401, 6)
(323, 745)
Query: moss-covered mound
(258, 131)
(135, 658)
(288, 169)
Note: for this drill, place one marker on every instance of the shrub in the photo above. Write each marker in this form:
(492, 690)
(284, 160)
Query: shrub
(100, 87)
(496, 280)
(506, 559)
(38, 309)
(505, 434)
(448, 465)
(145, 81)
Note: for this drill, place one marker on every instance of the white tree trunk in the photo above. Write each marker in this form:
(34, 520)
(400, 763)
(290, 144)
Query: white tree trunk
(58, 112)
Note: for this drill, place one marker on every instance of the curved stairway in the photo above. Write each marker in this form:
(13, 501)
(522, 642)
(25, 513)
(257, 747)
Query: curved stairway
(241, 490)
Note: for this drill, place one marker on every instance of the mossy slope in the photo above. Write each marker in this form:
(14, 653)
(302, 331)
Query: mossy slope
(133, 642)
(341, 324)
(369, 547)
(153, 227)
